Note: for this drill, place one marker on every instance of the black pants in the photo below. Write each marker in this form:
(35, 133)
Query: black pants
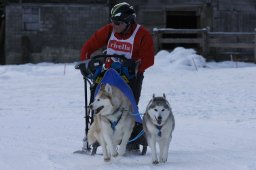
(136, 85)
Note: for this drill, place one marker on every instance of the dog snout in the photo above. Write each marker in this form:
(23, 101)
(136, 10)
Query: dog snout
(159, 119)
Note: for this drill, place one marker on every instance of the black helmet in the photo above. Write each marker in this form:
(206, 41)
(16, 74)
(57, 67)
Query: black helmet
(123, 12)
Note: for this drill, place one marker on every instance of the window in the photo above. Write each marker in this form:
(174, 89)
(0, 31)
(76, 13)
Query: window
(31, 19)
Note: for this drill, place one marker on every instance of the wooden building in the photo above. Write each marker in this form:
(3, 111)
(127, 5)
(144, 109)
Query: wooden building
(55, 30)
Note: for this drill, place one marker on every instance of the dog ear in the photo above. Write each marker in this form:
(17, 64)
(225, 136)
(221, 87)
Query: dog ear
(108, 89)
(164, 96)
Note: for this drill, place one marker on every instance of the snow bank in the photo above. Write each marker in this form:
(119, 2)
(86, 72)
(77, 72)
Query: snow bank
(179, 58)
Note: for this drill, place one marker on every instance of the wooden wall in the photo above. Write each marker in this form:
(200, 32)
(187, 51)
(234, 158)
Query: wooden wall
(65, 25)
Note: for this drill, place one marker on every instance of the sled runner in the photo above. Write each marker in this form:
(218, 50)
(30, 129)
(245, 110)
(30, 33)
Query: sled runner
(115, 70)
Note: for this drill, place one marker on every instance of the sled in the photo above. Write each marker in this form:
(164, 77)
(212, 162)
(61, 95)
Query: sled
(117, 72)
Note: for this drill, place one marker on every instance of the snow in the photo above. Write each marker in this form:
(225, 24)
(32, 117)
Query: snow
(42, 109)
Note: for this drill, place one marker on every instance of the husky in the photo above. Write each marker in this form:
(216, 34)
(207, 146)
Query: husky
(113, 121)
(158, 124)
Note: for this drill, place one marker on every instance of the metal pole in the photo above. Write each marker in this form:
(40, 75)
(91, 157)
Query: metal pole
(86, 112)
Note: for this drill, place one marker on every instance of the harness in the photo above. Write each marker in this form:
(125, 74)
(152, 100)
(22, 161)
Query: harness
(114, 123)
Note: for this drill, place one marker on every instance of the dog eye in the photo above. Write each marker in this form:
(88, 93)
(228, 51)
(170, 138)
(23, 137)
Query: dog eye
(163, 110)
(98, 99)
(156, 110)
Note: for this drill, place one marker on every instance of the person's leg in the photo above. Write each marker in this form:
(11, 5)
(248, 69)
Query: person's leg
(136, 85)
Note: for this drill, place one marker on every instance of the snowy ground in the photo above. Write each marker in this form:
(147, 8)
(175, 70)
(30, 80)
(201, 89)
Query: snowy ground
(41, 116)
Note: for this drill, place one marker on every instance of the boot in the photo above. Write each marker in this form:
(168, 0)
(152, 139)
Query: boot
(134, 146)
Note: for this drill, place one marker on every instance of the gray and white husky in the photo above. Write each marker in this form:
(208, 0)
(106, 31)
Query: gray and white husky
(158, 124)
(113, 121)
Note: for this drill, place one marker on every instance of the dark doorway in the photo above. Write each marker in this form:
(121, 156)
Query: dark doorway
(2, 31)
(181, 20)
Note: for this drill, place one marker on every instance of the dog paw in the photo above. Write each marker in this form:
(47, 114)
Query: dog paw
(121, 152)
(163, 160)
(155, 162)
(107, 159)
(115, 154)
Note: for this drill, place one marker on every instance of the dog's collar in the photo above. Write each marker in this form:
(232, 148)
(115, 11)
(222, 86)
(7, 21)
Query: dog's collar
(117, 110)
(114, 123)
(159, 130)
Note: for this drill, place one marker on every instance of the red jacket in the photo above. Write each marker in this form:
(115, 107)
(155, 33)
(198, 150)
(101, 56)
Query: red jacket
(143, 47)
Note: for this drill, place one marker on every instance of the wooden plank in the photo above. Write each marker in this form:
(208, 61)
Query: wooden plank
(178, 31)
(231, 45)
(181, 40)
(205, 42)
(156, 42)
(231, 33)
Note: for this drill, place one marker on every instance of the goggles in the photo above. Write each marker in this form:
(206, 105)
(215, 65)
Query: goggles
(117, 22)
